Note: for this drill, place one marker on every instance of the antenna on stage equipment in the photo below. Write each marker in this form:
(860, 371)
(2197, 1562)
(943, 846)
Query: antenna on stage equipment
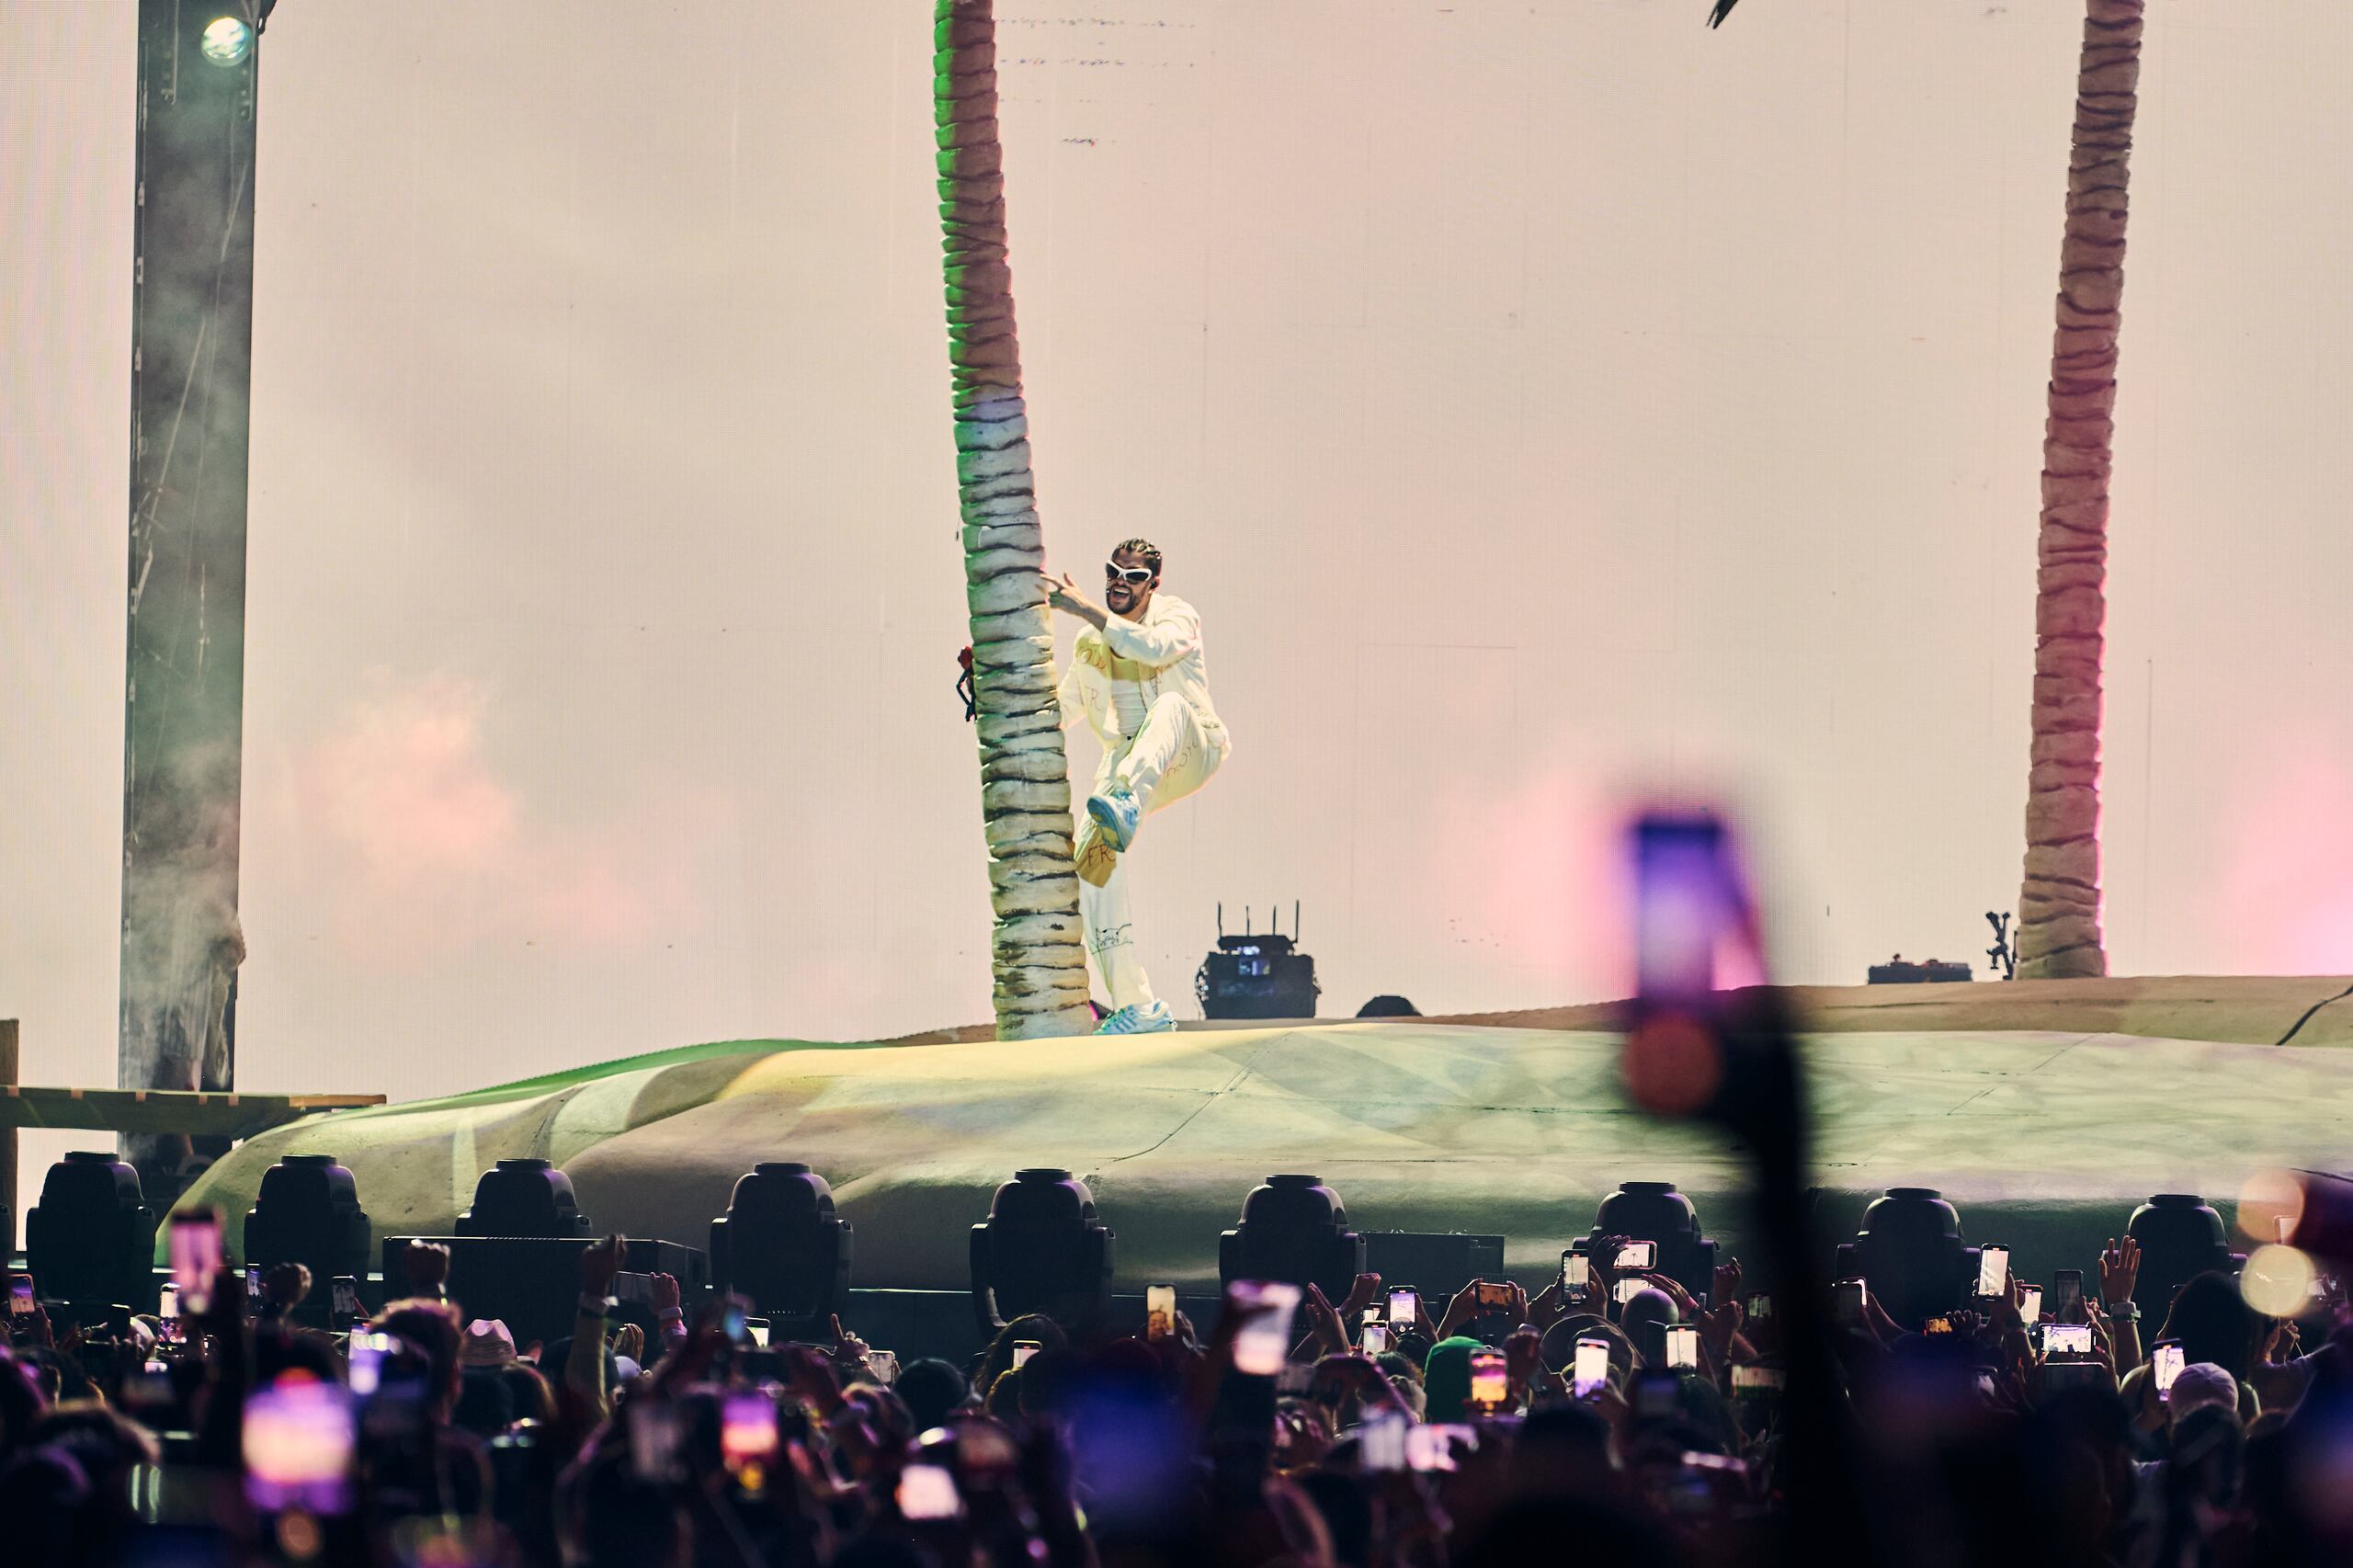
(1250, 976)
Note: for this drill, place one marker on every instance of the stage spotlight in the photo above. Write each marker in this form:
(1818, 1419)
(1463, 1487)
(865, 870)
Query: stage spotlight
(227, 40)
(523, 1198)
(1042, 1249)
(308, 1212)
(781, 1244)
(1910, 1250)
(91, 1237)
(1653, 1212)
(2180, 1235)
(1294, 1229)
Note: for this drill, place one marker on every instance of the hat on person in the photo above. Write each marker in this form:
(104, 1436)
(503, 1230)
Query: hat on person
(1445, 1377)
(2200, 1384)
(487, 1344)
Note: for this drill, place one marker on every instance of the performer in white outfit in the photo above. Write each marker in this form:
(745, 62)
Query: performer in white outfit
(1137, 678)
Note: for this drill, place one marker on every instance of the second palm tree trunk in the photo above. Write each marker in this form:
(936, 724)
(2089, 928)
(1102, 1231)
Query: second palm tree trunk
(2059, 905)
(1038, 953)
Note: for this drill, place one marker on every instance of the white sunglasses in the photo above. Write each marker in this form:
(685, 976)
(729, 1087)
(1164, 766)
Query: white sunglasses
(1135, 576)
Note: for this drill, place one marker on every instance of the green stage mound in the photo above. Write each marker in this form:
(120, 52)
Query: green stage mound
(2045, 1137)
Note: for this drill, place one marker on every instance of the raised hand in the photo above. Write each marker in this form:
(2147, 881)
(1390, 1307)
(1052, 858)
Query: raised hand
(1323, 1323)
(1460, 1309)
(1602, 1260)
(2120, 1269)
(599, 1262)
(1524, 1366)
(1686, 1306)
(1717, 1327)
(849, 1350)
(1363, 1293)
(1065, 593)
(426, 1263)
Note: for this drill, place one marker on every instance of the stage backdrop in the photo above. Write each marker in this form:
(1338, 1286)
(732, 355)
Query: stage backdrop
(1540, 401)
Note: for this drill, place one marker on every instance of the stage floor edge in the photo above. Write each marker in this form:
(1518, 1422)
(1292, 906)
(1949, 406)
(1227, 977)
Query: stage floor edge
(2044, 1138)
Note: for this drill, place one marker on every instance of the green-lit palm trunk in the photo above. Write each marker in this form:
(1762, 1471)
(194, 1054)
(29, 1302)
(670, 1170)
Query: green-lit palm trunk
(2059, 906)
(1039, 957)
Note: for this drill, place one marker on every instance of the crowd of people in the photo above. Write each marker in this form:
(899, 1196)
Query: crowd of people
(1614, 1416)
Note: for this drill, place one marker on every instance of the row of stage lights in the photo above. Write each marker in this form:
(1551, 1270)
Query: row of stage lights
(1044, 1248)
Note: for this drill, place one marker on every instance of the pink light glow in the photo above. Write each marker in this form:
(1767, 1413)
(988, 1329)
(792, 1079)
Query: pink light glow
(2286, 887)
(1532, 865)
(416, 846)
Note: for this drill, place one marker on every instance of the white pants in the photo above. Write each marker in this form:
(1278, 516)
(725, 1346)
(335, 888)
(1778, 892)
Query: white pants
(1167, 758)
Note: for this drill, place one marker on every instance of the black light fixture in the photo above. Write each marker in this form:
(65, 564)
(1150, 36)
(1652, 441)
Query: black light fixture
(1653, 1212)
(523, 1198)
(1293, 1228)
(2181, 1236)
(308, 1212)
(91, 1239)
(1043, 1250)
(781, 1245)
(1910, 1251)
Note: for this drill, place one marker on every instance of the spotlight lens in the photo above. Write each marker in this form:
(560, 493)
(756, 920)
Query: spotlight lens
(227, 40)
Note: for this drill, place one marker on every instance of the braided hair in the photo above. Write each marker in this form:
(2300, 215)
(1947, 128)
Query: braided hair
(1142, 549)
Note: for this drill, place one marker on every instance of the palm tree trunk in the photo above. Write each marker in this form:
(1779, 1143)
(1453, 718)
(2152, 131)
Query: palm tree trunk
(2059, 906)
(1040, 959)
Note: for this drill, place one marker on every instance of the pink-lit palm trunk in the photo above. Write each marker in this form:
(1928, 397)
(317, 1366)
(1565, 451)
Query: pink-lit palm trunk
(1039, 952)
(2059, 906)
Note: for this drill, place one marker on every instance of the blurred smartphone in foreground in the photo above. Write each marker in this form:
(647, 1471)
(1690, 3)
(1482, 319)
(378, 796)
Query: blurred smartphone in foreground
(747, 1431)
(928, 1492)
(1159, 1311)
(1380, 1443)
(1687, 906)
(298, 1438)
(1267, 1306)
(194, 1249)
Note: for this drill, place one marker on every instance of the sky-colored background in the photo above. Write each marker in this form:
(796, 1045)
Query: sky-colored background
(1540, 401)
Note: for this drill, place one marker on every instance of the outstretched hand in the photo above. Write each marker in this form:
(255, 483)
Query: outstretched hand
(1063, 593)
(2120, 1269)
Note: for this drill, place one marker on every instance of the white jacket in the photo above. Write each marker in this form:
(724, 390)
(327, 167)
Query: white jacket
(1118, 673)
